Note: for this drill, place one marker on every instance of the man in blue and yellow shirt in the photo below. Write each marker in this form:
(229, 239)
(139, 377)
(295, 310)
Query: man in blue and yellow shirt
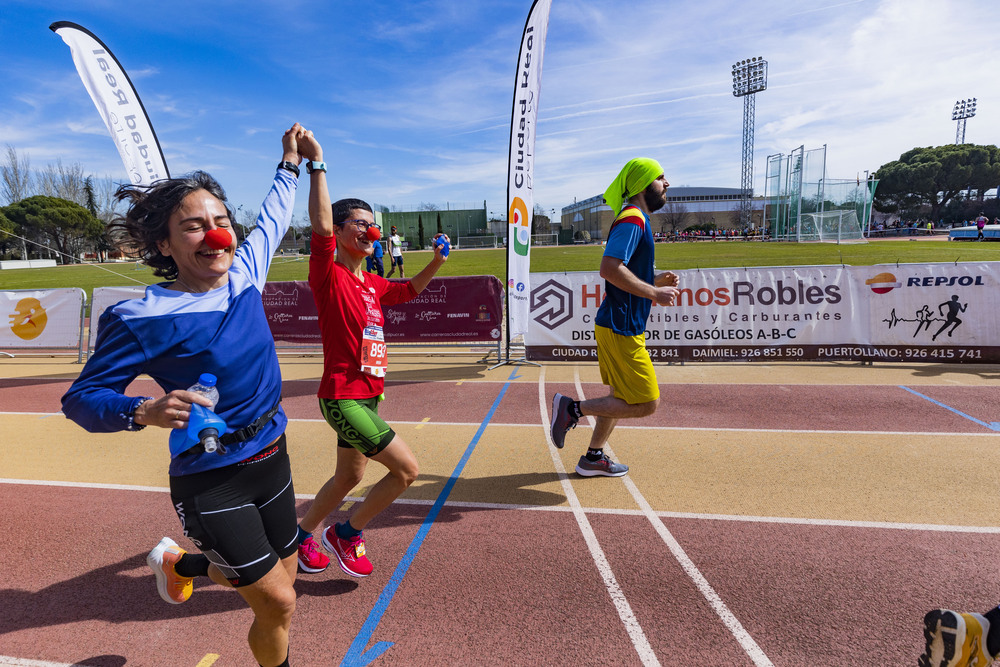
(631, 288)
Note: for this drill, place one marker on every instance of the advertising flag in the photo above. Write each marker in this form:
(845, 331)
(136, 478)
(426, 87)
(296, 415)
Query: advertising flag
(117, 102)
(520, 196)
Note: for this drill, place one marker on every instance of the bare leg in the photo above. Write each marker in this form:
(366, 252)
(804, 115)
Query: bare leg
(403, 470)
(351, 466)
(615, 408)
(602, 431)
(272, 600)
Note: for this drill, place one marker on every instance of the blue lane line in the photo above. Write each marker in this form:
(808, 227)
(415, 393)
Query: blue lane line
(356, 655)
(993, 426)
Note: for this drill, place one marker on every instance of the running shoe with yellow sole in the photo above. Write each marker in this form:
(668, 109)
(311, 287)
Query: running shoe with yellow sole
(172, 587)
(955, 640)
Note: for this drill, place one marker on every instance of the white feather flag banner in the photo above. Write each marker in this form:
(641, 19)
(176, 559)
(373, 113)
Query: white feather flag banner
(117, 102)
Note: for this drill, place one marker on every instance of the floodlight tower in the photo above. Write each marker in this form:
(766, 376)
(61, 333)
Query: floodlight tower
(963, 109)
(749, 77)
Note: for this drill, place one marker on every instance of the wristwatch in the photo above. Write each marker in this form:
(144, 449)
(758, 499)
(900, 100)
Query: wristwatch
(315, 165)
(290, 166)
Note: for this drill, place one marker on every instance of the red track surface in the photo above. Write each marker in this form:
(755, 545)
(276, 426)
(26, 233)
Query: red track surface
(514, 580)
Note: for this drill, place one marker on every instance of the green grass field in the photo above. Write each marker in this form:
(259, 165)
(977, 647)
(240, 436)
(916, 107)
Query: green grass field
(562, 258)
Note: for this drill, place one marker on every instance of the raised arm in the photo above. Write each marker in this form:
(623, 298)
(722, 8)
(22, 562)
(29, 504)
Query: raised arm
(320, 211)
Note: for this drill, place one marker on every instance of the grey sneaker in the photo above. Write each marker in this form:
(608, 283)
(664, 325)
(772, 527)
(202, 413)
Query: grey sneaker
(562, 419)
(604, 466)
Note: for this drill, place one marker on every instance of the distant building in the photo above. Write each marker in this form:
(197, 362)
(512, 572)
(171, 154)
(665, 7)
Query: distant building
(685, 207)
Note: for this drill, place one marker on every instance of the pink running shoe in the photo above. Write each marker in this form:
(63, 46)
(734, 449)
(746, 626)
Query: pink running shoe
(311, 559)
(350, 553)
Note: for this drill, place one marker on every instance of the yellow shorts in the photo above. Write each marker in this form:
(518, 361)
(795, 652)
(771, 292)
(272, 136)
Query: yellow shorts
(626, 367)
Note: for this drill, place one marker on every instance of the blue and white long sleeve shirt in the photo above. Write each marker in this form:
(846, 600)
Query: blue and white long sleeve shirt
(175, 336)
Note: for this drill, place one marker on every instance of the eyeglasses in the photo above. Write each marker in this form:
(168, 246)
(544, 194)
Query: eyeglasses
(363, 225)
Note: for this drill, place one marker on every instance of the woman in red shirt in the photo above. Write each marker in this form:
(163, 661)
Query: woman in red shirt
(350, 303)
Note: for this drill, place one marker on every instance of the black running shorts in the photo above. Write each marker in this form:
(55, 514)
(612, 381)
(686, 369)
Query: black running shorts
(242, 517)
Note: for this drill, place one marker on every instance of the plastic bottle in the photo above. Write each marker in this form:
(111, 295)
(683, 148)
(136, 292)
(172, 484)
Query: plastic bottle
(209, 437)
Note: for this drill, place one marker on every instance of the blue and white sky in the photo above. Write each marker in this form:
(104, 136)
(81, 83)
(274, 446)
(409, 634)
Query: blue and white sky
(412, 99)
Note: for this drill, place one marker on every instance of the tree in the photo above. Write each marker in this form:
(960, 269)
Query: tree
(15, 175)
(440, 231)
(67, 225)
(933, 176)
(420, 230)
(63, 182)
(7, 241)
(673, 216)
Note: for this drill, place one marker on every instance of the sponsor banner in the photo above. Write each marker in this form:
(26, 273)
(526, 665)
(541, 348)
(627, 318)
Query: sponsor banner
(925, 312)
(291, 312)
(41, 318)
(520, 164)
(466, 308)
(117, 102)
(455, 309)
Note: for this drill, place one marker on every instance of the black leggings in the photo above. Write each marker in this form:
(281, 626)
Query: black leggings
(242, 517)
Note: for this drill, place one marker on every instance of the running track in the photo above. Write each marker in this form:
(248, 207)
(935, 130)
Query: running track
(774, 515)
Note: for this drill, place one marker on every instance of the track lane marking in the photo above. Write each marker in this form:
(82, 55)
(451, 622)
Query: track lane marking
(746, 642)
(664, 514)
(357, 653)
(622, 606)
(993, 426)
(934, 434)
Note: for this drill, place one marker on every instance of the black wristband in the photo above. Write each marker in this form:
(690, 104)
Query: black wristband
(130, 423)
(290, 166)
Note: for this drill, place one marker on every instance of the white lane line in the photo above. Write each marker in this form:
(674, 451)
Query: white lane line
(729, 619)
(792, 431)
(6, 661)
(625, 613)
(471, 504)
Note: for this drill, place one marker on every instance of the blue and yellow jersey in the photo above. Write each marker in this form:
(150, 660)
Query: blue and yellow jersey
(630, 240)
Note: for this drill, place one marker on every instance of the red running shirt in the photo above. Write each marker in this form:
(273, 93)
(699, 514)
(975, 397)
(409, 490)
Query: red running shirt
(346, 306)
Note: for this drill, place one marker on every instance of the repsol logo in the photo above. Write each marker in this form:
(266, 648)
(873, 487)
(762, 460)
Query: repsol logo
(948, 281)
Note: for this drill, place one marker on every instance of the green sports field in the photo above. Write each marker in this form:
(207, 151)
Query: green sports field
(563, 258)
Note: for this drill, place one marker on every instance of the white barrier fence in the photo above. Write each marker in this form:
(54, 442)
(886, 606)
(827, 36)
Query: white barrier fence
(51, 318)
(902, 313)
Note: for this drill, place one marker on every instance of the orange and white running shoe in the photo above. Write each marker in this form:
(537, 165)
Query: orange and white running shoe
(172, 587)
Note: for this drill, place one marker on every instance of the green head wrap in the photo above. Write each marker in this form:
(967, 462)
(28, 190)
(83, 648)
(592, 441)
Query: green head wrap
(631, 180)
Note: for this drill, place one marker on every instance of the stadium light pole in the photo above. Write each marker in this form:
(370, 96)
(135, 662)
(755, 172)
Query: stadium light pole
(964, 109)
(749, 77)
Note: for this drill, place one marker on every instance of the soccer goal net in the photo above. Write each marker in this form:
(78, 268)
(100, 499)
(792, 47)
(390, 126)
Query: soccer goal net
(545, 239)
(477, 242)
(831, 227)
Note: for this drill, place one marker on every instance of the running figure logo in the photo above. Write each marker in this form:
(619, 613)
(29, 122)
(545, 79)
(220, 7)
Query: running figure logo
(954, 308)
(926, 316)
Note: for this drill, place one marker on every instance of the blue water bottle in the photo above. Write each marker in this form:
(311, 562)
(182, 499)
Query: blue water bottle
(204, 426)
(445, 246)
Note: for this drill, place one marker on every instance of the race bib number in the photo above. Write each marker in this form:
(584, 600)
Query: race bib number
(374, 357)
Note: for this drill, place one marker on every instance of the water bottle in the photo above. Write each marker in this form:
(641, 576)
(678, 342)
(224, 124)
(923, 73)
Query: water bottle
(204, 425)
(206, 387)
(208, 436)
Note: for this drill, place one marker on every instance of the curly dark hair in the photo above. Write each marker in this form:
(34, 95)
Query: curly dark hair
(145, 223)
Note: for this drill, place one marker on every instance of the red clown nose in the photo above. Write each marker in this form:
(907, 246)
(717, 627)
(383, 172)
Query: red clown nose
(374, 234)
(218, 238)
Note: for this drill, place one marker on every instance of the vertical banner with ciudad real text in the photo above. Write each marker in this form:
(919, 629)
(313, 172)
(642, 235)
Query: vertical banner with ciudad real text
(117, 102)
(520, 165)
